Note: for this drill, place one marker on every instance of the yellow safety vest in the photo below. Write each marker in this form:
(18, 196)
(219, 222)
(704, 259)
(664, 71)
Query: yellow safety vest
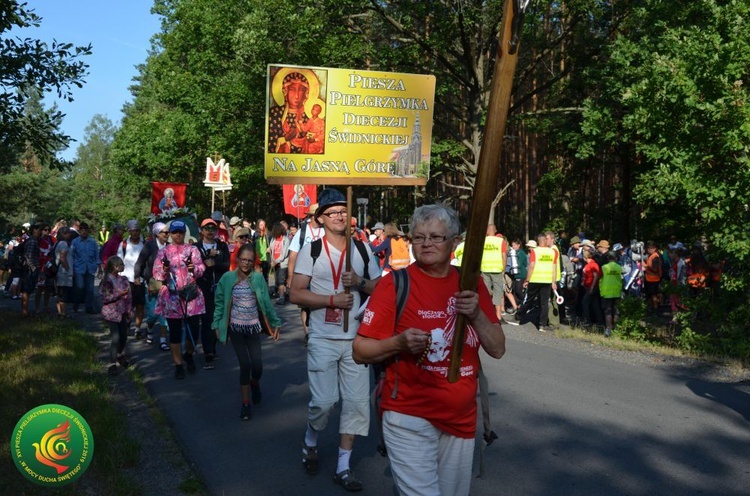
(558, 272)
(492, 256)
(544, 266)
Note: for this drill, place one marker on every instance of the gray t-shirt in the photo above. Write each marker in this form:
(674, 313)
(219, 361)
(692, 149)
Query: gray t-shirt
(64, 277)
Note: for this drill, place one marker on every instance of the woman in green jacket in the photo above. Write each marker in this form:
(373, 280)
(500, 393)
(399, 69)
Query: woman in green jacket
(243, 308)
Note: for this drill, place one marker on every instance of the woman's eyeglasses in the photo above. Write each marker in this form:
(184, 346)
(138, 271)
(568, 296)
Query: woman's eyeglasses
(434, 239)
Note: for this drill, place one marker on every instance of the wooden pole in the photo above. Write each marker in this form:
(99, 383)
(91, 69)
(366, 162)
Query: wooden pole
(348, 252)
(486, 180)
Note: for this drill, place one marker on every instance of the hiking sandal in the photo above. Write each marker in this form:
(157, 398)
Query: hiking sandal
(347, 479)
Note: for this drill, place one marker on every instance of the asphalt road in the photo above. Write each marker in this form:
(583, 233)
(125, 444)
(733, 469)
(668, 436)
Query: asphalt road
(569, 423)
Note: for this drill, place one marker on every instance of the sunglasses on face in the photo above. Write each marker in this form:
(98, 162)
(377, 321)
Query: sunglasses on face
(210, 228)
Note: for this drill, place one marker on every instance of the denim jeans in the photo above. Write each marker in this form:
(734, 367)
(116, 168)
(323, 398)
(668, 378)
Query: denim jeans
(84, 290)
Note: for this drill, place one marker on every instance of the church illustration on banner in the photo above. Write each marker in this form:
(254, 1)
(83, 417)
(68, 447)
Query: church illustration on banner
(408, 158)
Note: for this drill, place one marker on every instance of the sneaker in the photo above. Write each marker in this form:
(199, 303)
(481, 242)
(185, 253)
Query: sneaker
(149, 338)
(190, 362)
(179, 372)
(347, 479)
(546, 328)
(139, 334)
(209, 363)
(255, 393)
(112, 369)
(245, 412)
(164, 346)
(310, 459)
(512, 311)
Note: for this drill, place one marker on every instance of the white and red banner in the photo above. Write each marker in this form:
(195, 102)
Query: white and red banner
(167, 196)
(298, 198)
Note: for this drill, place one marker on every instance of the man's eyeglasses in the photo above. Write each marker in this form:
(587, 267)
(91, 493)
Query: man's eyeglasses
(244, 236)
(434, 239)
(246, 260)
(339, 213)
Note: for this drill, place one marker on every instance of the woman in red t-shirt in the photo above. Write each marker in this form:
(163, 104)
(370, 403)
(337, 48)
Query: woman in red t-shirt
(591, 275)
(428, 422)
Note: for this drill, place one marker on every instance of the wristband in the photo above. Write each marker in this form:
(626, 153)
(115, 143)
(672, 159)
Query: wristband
(331, 302)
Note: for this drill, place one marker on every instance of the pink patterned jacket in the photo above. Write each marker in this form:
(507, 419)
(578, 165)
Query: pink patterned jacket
(114, 305)
(169, 303)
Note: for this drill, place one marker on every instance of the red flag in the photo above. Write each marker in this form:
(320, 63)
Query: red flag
(166, 196)
(298, 198)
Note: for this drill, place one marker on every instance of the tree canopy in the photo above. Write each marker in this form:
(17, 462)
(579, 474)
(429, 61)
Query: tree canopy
(29, 66)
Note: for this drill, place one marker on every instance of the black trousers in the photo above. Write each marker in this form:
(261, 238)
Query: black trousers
(537, 295)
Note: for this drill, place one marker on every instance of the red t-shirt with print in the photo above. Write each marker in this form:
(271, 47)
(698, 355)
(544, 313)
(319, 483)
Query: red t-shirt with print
(423, 389)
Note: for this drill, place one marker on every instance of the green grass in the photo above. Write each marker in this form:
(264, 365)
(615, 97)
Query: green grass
(50, 361)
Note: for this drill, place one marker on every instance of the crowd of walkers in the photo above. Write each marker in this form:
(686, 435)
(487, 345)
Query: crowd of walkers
(178, 290)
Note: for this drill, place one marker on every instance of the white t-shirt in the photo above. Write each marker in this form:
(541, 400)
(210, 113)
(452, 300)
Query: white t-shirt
(322, 283)
(132, 250)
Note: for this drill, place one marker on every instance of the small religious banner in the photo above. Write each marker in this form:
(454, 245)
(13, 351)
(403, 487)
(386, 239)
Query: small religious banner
(217, 175)
(167, 196)
(298, 198)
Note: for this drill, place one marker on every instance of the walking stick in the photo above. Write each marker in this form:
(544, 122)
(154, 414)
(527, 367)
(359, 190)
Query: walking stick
(489, 158)
(348, 252)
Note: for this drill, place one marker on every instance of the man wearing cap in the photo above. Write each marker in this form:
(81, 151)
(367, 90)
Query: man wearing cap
(215, 256)
(222, 232)
(143, 276)
(309, 231)
(540, 280)
(234, 224)
(602, 251)
(84, 252)
(332, 374)
(129, 251)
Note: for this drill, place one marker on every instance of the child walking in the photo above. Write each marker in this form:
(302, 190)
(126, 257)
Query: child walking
(117, 310)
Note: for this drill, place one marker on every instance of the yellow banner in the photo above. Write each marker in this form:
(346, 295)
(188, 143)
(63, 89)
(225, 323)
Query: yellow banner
(341, 126)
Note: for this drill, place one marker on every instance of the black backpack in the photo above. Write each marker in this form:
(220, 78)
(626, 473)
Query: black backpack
(17, 258)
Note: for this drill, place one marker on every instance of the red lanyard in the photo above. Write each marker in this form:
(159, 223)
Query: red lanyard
(334, 273)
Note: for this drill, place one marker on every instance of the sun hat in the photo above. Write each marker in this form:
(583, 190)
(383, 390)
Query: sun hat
(242, 231)
(603, 244)
(207, 222)
(312, 209)
(531, 243)
(378, 225)
(177, 226)
(234, 221)
(587, 242)
(133, 225)
(329, 197)
(617, 247)
(574, 240)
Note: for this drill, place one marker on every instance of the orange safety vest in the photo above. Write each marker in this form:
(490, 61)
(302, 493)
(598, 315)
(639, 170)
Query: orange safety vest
(399, 254)
(653, 274)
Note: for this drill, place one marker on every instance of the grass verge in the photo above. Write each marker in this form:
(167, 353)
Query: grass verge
(51, 361)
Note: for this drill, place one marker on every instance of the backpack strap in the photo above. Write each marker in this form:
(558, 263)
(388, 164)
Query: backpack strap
(315, 249)
(401, 283)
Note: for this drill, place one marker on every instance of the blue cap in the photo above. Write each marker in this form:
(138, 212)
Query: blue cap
(177, 226)
(328, 198)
